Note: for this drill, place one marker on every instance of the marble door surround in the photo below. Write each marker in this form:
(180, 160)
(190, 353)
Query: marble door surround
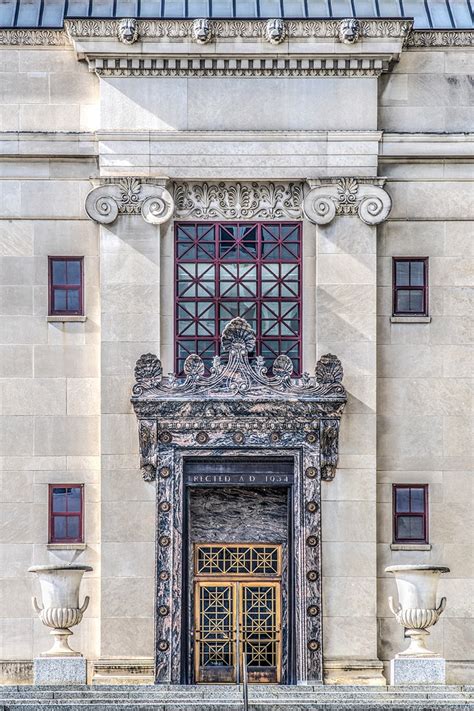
(238, 411)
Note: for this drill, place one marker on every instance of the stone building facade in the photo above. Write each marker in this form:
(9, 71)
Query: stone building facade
(115, 135)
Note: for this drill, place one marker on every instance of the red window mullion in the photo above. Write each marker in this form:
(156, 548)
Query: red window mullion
(244, 258)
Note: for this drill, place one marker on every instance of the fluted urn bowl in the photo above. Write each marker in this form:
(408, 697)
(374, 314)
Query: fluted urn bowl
(60, 599)
(417, 610)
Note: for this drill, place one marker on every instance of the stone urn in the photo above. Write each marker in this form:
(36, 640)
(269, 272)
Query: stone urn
(60, 597)
(417, 610)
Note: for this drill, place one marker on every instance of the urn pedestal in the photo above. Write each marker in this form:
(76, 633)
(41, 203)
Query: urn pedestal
(60, 610)
(417, 610)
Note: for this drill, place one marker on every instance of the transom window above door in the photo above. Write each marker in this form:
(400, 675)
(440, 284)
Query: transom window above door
(247, 269)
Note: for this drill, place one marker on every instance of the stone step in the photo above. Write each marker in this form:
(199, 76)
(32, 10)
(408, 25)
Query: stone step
(229, 698)
(238, 705)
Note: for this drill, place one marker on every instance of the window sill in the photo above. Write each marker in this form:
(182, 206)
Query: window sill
(410, 319)
(410, 546)
(67, 546)
(66, 319)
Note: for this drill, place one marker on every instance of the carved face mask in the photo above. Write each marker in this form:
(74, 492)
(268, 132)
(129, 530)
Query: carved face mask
(349, 31)
(275, 31)
(202, 31)
(128, 31)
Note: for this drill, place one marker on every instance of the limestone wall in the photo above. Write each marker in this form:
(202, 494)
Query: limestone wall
(424, 401)
(428, 90)
(65, 410)
(46, 89)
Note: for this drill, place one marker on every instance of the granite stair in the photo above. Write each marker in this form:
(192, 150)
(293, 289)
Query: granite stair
(229, 698)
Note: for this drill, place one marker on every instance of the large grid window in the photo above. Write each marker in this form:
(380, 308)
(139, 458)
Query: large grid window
(410, 286)
(66, 286)
(66, 513)
(410, 513)
(252, 270)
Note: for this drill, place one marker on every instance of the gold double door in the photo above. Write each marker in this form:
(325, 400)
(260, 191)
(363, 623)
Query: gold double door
(237, 613)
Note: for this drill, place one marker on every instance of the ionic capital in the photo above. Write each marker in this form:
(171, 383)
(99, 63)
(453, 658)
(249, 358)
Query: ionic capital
(364, 197)
(130, 196)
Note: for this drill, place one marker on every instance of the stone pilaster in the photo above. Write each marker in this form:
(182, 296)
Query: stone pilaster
(346, 212)
(130, 211)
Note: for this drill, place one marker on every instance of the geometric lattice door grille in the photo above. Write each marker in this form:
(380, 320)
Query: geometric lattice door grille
(229, 269)
(237, 560)
(236, 620)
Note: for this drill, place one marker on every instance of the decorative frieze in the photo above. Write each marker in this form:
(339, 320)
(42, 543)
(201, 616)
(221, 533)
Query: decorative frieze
(364, 197)
(439, 38)
(236, 201)
(34, 37)
(250, 29)
(130, 196)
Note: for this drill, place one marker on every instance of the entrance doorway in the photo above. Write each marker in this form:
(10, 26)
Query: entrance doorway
(237, 612)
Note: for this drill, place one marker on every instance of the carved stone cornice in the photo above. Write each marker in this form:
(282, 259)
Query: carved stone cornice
(364, 197)
(235, 201)
(288, 48)
(130, 196)
(238, 403)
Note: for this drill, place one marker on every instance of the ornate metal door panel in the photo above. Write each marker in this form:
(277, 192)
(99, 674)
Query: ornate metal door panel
(260, 632)
(237, 612)
(215, 632)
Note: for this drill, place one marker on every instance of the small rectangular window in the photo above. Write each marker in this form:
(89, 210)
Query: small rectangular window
(66, 513)
(410, 286)
(66, 286)
(410, 513)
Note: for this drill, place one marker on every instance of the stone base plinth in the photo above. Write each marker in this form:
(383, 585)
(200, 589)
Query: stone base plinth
(48, 671)
(417, 670)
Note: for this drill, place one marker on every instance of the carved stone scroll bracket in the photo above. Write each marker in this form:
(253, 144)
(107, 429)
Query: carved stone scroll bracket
(364, 197)
(130, 196)
(329, 448)
(147, 436)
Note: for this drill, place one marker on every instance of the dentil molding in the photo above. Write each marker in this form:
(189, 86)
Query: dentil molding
(130, 196)
(364, 197)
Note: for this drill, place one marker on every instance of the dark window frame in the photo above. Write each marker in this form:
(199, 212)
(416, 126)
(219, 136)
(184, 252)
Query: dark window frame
(423, 289)
(66, 287)
(77, 514)
(258, 261)
(423, 515)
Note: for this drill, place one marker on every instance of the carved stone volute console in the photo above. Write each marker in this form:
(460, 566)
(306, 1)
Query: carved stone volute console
(238, 410)
(364, 197)
(130, 196)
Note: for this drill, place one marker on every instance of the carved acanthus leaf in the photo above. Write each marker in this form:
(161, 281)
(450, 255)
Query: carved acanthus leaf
(147, 437)
(328, 448)
(238, 200)
(329, 369)
(148, 373)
